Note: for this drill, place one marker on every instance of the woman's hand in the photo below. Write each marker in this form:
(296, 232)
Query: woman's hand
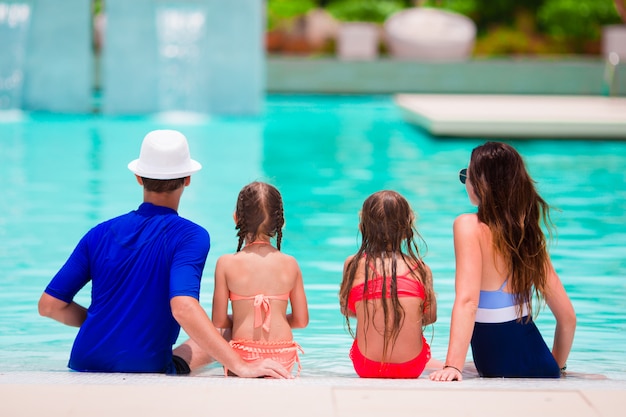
(448, 373)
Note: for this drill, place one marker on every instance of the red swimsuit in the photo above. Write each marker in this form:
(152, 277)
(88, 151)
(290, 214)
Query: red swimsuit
(367, 368)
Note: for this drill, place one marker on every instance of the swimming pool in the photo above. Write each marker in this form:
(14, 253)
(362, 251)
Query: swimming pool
(62, 174)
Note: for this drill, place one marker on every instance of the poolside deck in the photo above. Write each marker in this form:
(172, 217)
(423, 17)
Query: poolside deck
(53, 394)
(516, 116)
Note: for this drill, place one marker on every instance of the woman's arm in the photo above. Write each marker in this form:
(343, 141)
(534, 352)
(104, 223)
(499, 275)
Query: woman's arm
(561, 306)
(220, 316)
(467, 292)
(299, 317)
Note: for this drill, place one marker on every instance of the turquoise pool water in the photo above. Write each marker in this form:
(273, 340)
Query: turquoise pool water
(63, 174)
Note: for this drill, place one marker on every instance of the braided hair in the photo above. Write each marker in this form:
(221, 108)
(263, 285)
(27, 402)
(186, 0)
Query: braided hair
(259, 212)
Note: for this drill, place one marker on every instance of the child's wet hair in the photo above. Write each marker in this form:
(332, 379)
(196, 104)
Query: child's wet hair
(386, 221)
(259, 212)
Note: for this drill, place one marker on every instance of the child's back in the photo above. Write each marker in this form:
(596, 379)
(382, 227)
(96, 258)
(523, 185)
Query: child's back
(411, 295)
(250, 275)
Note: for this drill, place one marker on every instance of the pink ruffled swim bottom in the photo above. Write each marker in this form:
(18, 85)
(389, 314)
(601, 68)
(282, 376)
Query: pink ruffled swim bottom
(284, 352)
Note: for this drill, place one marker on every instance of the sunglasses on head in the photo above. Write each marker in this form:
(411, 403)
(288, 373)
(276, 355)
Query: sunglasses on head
(463, 175)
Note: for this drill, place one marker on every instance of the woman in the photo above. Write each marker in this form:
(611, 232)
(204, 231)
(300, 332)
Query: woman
(504, 274)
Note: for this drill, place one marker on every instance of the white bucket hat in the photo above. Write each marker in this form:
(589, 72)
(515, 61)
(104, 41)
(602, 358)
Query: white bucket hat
(164, 155)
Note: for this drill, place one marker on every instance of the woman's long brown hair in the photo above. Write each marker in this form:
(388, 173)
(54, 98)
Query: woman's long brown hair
(510, 206)
(387, 233)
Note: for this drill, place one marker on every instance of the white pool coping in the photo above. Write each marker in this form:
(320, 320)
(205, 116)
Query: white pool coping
(66, 393)
(516, 116)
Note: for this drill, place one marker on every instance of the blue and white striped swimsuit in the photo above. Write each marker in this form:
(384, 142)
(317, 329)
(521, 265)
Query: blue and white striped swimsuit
(503, 346)
(497, 306)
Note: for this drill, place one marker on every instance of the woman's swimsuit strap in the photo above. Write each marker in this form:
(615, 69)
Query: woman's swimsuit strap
(498, 306)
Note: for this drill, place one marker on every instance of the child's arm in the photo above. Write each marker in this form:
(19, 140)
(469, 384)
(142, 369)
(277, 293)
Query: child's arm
(344, 303)
(220, 316)
(430, 304)
(299, 317)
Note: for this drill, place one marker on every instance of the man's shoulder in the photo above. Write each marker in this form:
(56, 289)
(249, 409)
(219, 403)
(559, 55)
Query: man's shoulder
(132, 220)
(114, 219)
(108, 223)
(191, 225)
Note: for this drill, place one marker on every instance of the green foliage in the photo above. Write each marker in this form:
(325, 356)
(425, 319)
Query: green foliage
(464, 7)
(487, 14)
(576, 19)
(504, 26)
(98, 7)
(504, 40)
(535, 26)
(281, 12)
(363, 10)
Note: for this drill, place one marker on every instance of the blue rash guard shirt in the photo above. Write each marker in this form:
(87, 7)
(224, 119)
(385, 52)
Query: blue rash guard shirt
(137, 263)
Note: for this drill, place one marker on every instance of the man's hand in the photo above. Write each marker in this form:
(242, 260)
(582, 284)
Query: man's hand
(263, 368)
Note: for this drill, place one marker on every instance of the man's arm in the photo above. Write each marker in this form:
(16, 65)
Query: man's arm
(196, 323)
(71, 314)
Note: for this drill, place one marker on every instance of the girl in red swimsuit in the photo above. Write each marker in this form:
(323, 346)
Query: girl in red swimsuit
(260, 281)
(389, 289)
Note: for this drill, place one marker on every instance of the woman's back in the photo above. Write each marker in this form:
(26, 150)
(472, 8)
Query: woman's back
(493, 268)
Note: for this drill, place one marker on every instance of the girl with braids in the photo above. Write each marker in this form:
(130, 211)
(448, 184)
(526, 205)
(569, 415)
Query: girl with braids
(504, 274)
(389, 289)
(260, 282)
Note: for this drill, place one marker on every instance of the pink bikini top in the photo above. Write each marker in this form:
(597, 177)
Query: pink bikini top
(407, 287)
(261, 302)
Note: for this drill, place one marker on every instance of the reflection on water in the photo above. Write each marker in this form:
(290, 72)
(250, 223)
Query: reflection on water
(326, 154)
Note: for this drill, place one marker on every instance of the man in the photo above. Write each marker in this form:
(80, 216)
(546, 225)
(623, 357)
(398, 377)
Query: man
(145, 267)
